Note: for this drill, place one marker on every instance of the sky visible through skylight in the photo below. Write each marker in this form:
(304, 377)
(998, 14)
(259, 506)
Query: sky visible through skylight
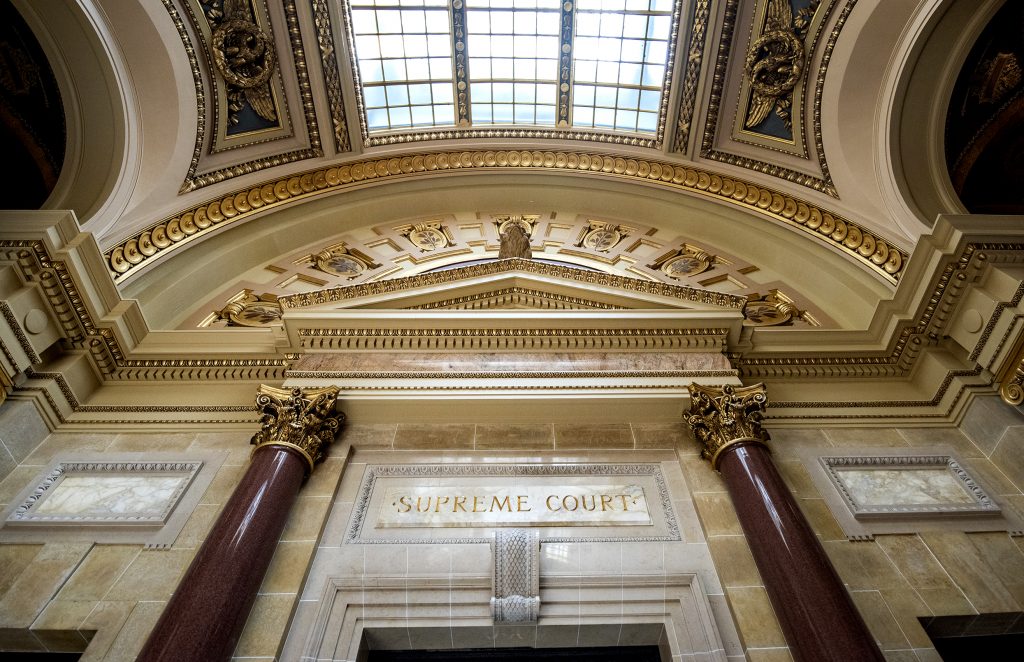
(512, 62)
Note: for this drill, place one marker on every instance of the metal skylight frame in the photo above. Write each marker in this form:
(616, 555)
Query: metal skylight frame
(619, 90)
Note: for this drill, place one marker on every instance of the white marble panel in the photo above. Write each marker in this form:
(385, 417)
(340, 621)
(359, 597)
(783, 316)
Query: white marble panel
(123, 493)
(107, 496)
(879, 487)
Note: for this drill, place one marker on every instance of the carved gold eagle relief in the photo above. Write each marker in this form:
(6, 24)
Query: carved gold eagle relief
(775, 61)
(244, 55)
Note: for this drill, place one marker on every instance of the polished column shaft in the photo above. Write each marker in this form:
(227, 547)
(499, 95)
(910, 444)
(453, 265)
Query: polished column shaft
(205, 617)
(815, 611)
(817, 615)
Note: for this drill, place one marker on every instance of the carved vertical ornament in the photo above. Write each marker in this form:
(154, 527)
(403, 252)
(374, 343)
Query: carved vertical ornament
(301, 419)
(1012, 389)
(722, 417)
(516, 576)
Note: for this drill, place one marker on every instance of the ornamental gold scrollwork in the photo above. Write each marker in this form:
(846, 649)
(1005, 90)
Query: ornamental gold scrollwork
(722, 417)
(684, 262)
(244, 56)
(602, 237)
(1012, 388)
(427, 237)
(775, 61)
(304, 420)
(249, 309)
(773, 309)
(340, 260)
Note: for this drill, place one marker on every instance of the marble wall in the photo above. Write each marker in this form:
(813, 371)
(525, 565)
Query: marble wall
(50, 592)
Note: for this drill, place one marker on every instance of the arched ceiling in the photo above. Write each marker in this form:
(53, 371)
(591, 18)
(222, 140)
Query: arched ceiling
(778, 141)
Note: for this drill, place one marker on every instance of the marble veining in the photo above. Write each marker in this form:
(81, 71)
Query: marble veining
(511, 362)
(879, 487)
(85, 496)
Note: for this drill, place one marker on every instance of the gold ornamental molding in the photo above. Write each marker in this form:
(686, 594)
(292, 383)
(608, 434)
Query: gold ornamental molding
(304, 420)
(509, 339)
(1011, 386)
(726, 416)
(172, 233)
(512, 265)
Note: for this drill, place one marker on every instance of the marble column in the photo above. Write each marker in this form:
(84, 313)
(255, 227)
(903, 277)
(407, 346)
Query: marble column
(815, 611)
(205, 616)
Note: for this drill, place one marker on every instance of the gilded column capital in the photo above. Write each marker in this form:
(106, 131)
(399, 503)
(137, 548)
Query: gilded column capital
(1012, 388)
(301, 419)
(721, 417)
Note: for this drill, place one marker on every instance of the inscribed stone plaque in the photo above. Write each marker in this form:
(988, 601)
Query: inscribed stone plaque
(465, 503)
(541, 501)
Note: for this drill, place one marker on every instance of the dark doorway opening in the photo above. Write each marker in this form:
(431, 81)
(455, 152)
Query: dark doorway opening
(977, 636)
(608, 654)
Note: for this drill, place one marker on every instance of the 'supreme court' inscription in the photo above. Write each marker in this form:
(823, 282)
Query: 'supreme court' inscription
(463, 503)
(517, 503)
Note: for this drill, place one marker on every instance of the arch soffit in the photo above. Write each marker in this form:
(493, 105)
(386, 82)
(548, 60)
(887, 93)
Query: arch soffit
(126, 119)
(894, 100)
(802, 220)
(840, 289)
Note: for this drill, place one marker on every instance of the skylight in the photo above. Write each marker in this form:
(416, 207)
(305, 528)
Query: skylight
(598, 64)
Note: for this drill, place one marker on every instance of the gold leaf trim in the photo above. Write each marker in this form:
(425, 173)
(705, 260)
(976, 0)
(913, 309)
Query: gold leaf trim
(885, 260)
(508, 265)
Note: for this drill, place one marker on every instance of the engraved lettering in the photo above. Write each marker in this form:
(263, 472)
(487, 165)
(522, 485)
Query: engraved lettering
(510, 502)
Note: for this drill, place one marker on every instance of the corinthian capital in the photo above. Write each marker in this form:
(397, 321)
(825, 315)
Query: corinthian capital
(721, 417)
(301, 419)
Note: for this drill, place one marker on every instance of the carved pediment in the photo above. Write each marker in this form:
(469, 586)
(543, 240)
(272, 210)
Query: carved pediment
(514, 284)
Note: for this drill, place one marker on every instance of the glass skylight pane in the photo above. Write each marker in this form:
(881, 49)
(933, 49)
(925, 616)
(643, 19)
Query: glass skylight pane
(626, 55)
(398, 42)
(405, 56)
(374, 97)
(648, 122)
(513, 41)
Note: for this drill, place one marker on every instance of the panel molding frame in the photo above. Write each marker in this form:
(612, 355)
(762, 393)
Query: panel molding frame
(158, 532)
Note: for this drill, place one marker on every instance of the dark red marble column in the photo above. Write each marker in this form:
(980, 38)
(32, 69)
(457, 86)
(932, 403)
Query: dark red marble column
(815, 611)
(205, 616)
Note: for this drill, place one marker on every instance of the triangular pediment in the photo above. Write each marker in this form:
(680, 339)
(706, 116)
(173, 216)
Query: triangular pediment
(514, 284)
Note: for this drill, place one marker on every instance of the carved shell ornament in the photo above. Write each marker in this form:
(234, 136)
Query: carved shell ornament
(775, 61)
(244, 55)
